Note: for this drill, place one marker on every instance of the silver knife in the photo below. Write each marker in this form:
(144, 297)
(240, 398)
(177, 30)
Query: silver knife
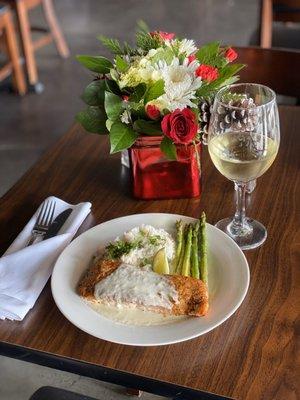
(58, 223)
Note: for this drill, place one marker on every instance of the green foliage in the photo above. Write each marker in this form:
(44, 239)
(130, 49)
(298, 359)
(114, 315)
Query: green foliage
(226, 77)
(146, 42)
(113, 105)
(142, 26)
(154, 91)
(112, 86)
(113, 45)
(166, 55)
(138, 93)
(208, 53)
(121, 64)
(93, 120)
(151, 128)
(121, 137)
(95, 63)
(168, 148)
(93, 94)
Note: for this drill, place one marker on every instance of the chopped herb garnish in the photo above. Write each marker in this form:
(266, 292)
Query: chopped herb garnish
(117, 249)
(155, 239)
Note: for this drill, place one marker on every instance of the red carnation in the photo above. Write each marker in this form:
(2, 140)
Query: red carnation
(230, 54)
(152, 111)
(207, 72)
(163, 35)
(180, 126)
(192, 58)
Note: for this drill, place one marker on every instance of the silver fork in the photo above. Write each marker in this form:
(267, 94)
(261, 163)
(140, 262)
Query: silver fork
(44, 220)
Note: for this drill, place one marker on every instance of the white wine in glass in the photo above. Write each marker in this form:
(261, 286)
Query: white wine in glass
(243, 151)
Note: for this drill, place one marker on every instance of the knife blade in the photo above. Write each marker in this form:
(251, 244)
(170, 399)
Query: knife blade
(58, 223)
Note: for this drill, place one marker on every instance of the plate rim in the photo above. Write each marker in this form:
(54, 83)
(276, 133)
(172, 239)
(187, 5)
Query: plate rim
(165, 342)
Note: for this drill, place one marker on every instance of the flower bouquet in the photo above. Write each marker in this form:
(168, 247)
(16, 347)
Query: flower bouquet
(153, 99)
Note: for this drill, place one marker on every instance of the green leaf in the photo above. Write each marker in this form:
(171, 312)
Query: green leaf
(112, 87)
(206, 54)
(226, 77)
(113, 105)
(114, 74)
(168, 148)
(95, 63)
(146, 42)
(121, 64)
(166, 55)
(142, 26)
(154, 91)
(121, 137)
(112, 45)
(109, 124)
(93, 94)
(138, 92)
(151, 128)
(93, 120)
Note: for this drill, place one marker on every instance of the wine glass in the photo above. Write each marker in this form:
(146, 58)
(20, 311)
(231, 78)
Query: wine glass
(243, 141)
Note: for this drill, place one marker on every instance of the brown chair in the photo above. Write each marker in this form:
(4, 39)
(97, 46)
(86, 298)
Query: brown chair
(22, 8)
(11, 49)
(278, 69)
(276, 10)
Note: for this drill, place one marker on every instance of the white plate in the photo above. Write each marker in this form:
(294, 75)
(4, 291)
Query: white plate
(228, 284)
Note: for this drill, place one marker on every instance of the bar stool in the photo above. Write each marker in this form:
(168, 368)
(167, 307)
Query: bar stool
(13, 67)
(53, 33)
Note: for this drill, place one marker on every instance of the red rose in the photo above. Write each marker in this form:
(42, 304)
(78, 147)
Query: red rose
(180, 126)
(163, 35)
(125, 97)
(192, 58)
(207, 72)
(152, 111)
(230, 54)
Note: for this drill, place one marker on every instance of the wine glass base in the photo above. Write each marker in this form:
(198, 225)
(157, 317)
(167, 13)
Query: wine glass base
(250, 239)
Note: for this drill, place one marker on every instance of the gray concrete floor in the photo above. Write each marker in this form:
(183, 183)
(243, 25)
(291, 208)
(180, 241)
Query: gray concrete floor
(31, 124)
(23, 379)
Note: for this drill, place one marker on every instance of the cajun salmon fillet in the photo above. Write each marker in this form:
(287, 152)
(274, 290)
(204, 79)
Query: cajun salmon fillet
(192, 293)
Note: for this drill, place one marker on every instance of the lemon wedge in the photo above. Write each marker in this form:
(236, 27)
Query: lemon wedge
(160, 262)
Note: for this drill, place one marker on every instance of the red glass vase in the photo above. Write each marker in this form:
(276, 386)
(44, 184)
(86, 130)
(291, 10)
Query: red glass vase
(156, 177)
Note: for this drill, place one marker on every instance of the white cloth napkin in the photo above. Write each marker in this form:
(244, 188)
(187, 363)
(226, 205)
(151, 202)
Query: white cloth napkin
(24, 271)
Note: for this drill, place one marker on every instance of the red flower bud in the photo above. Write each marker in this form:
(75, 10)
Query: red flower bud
(163, 35)
(230, 54)
(180, 126)
(125, 97)
(192, 58)
(152, 111)
(207, 72)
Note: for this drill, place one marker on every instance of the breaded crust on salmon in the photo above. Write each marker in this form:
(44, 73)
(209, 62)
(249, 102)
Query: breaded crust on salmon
(192, 293)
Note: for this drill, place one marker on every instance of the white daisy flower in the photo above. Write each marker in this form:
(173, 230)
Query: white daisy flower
(187, 46)
(181, 84)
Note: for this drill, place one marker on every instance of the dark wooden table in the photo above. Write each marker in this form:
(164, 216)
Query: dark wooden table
(251, 356)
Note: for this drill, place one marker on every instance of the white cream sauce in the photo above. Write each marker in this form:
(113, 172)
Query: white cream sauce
(132, 315)
(136, 286)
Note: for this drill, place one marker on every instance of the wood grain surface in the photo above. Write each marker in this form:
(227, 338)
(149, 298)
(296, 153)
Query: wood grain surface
(253, 355)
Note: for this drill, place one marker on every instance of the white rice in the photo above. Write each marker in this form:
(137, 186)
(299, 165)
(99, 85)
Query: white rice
(152, 240)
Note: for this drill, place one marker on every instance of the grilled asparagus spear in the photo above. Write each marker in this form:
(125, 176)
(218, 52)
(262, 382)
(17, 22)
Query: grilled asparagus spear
(194, 254)
(179, 245)
(186, 264)
(203, 248)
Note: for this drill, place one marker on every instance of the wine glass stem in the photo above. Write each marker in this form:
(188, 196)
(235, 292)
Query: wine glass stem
(239, 225)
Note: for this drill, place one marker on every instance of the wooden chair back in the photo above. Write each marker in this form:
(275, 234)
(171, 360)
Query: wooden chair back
(278, 69)
(276, 10)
